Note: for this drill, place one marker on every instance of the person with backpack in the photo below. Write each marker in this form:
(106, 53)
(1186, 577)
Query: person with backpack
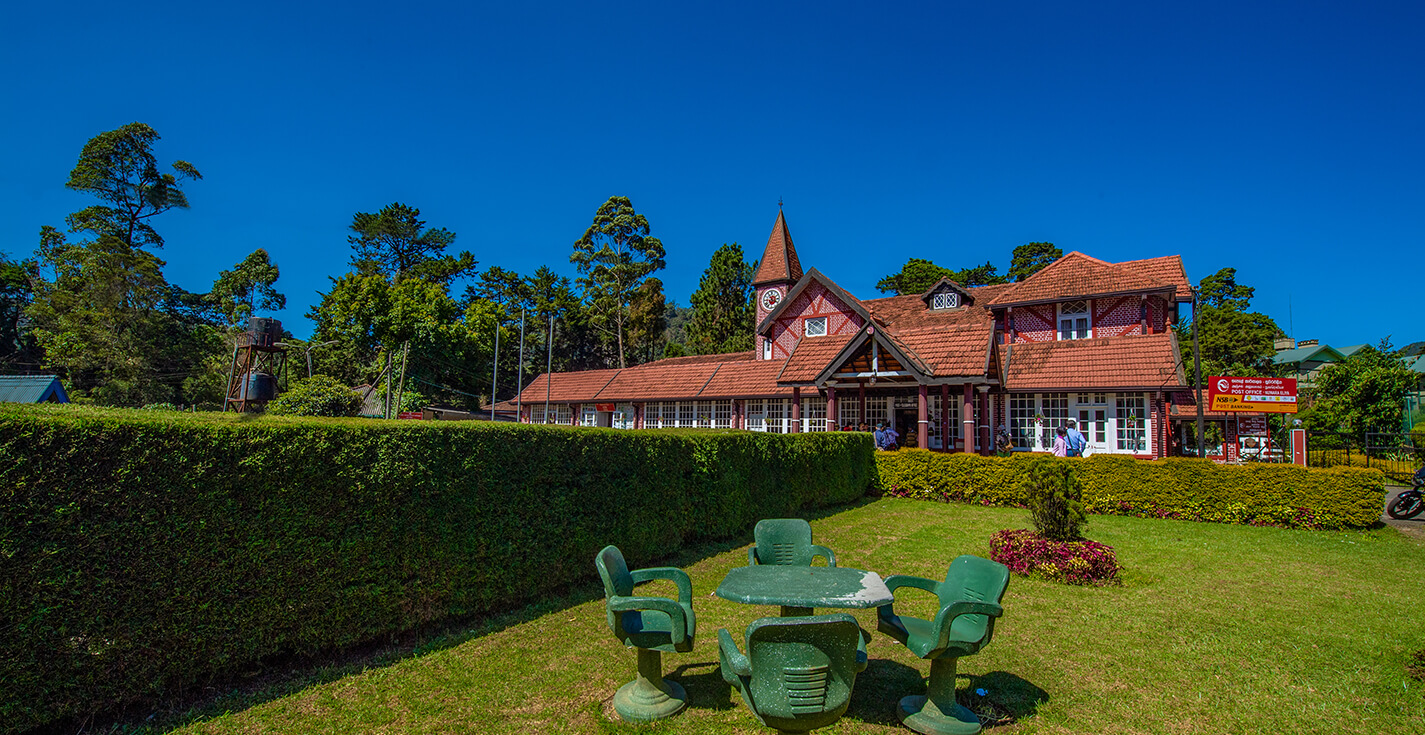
(1075, 440)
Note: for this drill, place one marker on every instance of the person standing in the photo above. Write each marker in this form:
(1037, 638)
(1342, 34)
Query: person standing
(880, 436)
(1075, 440)
(1061, 444)
(893, 438)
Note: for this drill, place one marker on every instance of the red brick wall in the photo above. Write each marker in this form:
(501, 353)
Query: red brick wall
(1035, 324)
(816, 300)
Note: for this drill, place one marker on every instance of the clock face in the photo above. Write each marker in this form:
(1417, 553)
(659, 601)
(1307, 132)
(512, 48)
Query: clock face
(770, 298)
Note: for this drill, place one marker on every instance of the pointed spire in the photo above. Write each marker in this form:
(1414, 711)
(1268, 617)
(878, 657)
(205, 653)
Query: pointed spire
(779, 260)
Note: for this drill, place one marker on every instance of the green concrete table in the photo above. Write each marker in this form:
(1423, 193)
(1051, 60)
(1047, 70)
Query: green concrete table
(799, 589)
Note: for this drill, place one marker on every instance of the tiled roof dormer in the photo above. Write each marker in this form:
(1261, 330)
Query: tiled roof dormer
(951, 295)
(1079, 276)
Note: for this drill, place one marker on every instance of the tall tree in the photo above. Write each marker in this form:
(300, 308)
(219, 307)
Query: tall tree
(1231, 340)
(120, 169)
(18, 350)
(722, 306)
(647, 321)
(980, 275)
(915, 277)
(102, 311)
(396, 243)
(615, 257)
(249, 286)
(1029, 258)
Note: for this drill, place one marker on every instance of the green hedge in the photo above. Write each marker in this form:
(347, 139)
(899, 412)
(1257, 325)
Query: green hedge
(1191, 489)
(141, 553)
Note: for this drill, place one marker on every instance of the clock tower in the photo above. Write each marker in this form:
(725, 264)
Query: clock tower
(776, 274)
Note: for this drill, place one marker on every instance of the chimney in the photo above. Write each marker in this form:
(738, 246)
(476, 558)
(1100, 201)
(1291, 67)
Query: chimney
(1308, 343)
(1284, 343)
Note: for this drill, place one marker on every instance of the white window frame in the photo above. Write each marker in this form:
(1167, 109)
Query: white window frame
(588, 415)
(1022, 429)
(818, 320)
(813, 413)
(721, 414)
(848, 411)
(877, 409)
(766, 348)
(623, 417)
(945, 300)
(1131, 439)
(1080, 323)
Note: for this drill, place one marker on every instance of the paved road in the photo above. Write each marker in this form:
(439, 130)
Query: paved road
(1414, 527)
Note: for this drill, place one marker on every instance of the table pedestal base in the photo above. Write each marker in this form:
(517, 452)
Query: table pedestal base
(937, 712)
(793, 612)
(649, 697)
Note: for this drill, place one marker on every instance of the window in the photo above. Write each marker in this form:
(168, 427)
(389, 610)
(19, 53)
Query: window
(722, 414)
(623, 417)
(536, 413)
(945, 300)
(766, 348)
(849, 410)
(1021, 420)
(877, 409)
(1074, 320)
(776, 412)
(1055, 409)
(563, 414)
(813, 413)
(1132, 415)
(687, 415)
(589, 416)
(816, 326)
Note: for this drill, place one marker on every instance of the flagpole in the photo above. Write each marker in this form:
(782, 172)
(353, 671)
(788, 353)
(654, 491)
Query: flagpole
(495, 370)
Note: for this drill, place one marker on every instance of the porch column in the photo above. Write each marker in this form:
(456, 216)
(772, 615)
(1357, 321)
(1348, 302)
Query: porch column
(945, 438)
(638, 415)
(984, 433)
(967, 419)
(832, 419)
(796, 411)
(861, 392)
(737, 414)
(922, 415)
(1142, 314)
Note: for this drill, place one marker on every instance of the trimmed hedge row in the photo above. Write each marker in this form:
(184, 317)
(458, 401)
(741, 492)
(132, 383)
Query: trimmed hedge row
(141, 553)
(1190, 489)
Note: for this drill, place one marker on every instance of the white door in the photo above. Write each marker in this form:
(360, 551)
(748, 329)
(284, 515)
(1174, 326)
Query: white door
(1093, 422)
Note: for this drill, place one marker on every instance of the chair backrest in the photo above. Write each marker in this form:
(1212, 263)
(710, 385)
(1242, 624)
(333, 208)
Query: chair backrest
(613, 570)
(973, 578)
(783, 542)
(803, 669)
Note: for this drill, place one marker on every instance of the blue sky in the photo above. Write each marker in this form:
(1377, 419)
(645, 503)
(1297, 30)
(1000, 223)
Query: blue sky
(1283, 139)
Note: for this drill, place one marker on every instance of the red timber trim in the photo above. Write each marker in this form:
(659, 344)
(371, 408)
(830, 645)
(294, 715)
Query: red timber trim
(796, 427)
(922, 426)
(832, 417)
(946, 443)
(967, 419)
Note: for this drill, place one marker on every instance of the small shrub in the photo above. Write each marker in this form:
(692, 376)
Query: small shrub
(1055, 497)
(319, 395)
(1072, 562)
(161, 407)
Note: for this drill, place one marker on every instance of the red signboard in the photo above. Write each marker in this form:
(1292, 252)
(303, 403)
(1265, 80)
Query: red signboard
(605, 407)
(408, 415)
(1268, 395)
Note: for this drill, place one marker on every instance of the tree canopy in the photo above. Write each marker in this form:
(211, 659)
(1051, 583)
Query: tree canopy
(396, 244)
(249, 286)
(615, 257)
(723, 313)
(918, 275)
(1366, 392)
(1030, 258)
(1231, 340)
(119, 168)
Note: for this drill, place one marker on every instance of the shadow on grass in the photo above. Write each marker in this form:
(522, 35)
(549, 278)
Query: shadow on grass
(1007, 697)
(706, 688)
(280, 676)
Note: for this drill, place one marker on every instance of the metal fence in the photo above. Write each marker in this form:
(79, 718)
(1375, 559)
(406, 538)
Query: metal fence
(1398, 453)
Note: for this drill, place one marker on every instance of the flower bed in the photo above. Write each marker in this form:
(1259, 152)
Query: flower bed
(1072, 562)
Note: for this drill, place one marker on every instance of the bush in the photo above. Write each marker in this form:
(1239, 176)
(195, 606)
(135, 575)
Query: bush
(319, 395)
(1072, 562)
(1183, 488)
(147, 551)
(161, 407)
(1055, 498)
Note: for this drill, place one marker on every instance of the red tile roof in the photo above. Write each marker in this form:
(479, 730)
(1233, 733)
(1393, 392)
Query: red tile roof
(779, 260)
(811, 356)
(577, 387)
(750, 379)
(1079, 276)
(1139, 361)
(1168, 269)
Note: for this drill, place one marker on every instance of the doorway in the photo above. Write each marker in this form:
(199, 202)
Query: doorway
(907, 425)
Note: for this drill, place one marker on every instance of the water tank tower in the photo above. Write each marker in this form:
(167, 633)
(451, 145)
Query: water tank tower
(257, 363)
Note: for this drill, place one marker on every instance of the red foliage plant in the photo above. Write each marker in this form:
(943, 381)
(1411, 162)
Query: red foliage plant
(1073, 562)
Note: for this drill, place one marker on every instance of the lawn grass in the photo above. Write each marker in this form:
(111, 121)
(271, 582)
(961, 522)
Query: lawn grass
(1215, 628)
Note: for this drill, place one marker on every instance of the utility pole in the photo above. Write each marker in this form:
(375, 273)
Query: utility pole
(548, 366)
(401, 386)
(495, 370)
(386, 409)
(1197, 378)
(519, 390)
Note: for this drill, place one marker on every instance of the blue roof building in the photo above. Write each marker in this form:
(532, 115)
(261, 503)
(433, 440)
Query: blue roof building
(32, 389)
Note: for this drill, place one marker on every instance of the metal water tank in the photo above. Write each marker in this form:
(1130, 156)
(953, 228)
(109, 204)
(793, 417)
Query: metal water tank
(259, 387)
(264, 331)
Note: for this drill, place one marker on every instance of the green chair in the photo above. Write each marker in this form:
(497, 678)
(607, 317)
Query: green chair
(969, 603)
(785, 542)
(798, 672)
(652, 625)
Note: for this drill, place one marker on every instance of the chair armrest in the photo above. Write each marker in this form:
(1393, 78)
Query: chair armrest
(674, 574)
(819, 550)
(672, 609)
(947, 614)
(861, 641)
(897, 581)
(729, 655)
(752, 555)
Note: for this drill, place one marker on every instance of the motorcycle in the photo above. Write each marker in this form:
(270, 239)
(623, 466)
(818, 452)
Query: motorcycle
(1409, 503)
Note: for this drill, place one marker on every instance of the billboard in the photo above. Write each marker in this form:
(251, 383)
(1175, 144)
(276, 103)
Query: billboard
(1268, 395)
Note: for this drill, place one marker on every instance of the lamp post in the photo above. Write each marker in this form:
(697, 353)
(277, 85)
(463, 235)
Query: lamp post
(308, 349)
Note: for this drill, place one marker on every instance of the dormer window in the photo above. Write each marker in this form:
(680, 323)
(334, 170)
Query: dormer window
(945, 300)
(816, 326)
(766, 348)
(1075, 321)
